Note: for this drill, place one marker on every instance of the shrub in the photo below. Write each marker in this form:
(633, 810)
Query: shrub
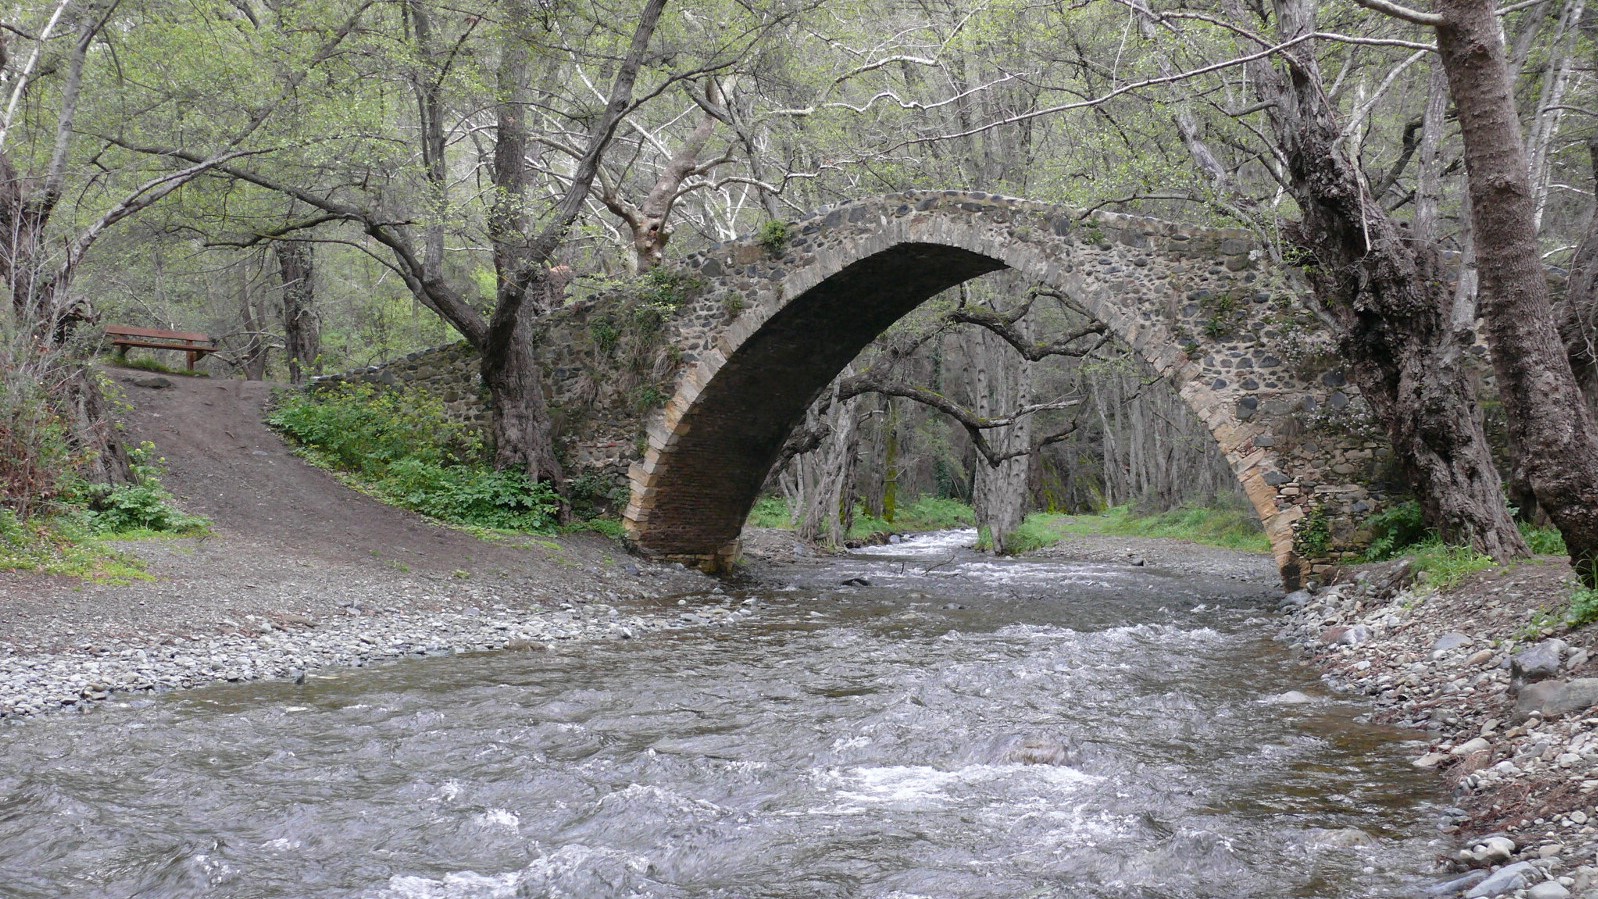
(143, 505)
(403, 448)
(774, 236)
(771, 512)
(359, 427)
(1446, 566)
(1583, 607)
(1396, 529)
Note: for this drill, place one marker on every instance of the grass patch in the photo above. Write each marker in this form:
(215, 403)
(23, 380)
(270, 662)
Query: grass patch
(929, 513)
(1229, 528)
(63, 544)
(770, 512)
(1443, 567)
(145, 363)
(398, 446)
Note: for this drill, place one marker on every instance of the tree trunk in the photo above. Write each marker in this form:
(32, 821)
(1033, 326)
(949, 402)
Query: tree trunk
(1000, 384)
(1578, 314)
(1387, 294)
(1548, 422)
(819, 482)
(302, 336)
(522, 437)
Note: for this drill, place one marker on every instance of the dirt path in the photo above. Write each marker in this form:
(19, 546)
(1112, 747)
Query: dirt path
(290, 543)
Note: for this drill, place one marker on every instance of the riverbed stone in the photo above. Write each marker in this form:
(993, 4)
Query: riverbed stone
(1536, 663)
(1550, 889)
(1505, 880)
(1553, 698)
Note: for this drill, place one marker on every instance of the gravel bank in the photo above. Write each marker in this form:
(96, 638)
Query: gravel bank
(1507, 703)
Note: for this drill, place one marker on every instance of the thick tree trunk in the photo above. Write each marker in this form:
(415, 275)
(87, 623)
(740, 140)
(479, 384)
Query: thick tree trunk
(521, 430)
(302, 335)
(1577, 315)
(1548, 422)
(1387, 294)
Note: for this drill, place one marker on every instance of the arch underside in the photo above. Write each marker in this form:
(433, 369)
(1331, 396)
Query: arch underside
(725, 444)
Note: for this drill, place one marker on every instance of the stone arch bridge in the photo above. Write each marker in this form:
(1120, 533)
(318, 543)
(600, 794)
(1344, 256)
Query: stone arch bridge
(692, 380)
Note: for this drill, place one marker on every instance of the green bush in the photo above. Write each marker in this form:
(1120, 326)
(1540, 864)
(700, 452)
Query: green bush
(401, 446)
(1446, 566)
(1544, 541)
(1583, 607)
(143, 505)
(771, 512)
(1396, 529)
(359, 427)
(479, 497)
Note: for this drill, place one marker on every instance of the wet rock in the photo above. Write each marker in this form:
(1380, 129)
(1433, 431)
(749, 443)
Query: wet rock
(1430, 760)
(1505, 880)
(1553, 698)
(1291, 697)
(1538, 663)
(857, 582)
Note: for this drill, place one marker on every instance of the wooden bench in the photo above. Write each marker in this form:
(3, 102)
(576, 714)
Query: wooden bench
(195, 345)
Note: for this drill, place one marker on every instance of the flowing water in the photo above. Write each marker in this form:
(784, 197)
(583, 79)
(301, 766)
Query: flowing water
(955, 728)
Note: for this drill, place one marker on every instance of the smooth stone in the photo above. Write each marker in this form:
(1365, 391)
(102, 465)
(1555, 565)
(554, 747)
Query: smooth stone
(1456, 886)
(1505, 880)
(1449, 642)
(1551, 889)
(1470, 746)
(1554, 698)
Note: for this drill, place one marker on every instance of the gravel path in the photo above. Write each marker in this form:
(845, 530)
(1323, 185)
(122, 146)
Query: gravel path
(300, 572)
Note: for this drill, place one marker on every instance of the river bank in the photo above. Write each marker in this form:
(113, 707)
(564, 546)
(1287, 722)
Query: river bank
(1505, 696)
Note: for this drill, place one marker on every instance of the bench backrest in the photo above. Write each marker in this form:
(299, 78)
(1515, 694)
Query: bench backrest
(157, 333)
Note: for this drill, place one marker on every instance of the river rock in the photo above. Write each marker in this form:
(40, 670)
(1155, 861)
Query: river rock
(1449, 643)
(1551, 889)
(1474, 745)
(1505, 880)
(1491, 851)
(1553, 698)
(1345, 635)
(1295, 600)
(1537, 663)
(1456, 886)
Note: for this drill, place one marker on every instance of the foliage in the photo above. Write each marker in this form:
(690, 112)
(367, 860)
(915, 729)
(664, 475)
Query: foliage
(1396, 529)
(592, 495)
(928, 513)
(1544, 541)
(359, 427)
(774, 236)
(401, 447)
(63, 544)
(1232, 528)
(147, 363)
(1583, 607)
(141, 506)
(1444, 567)
(771, 512)
(35, 450)
(1312, 534)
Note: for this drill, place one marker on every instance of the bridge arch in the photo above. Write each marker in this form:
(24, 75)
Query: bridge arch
(773, 322)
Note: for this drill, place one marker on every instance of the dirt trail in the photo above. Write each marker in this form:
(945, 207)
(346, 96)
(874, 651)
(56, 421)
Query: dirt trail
(289, 542)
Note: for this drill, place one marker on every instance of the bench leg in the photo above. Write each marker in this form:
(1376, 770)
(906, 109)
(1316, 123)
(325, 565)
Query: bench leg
(194, 356)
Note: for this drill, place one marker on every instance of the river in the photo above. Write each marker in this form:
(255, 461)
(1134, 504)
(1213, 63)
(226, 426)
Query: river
(952, 727)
